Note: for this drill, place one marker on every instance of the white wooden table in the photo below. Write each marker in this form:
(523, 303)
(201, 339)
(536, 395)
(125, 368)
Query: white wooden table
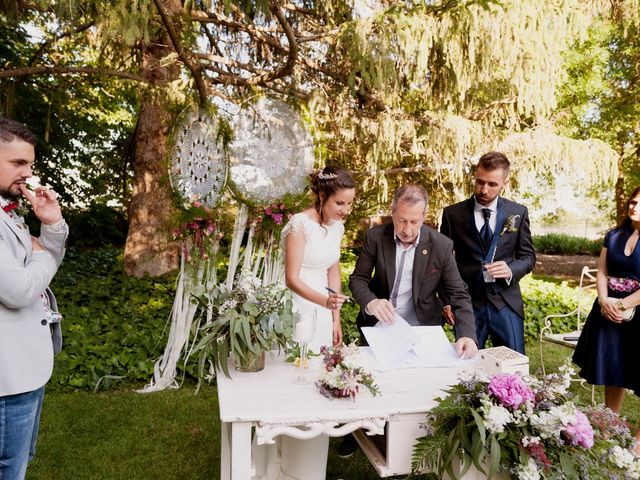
(273, 404)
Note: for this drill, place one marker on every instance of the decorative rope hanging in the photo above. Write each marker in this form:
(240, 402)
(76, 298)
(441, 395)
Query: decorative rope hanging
(198, 171)
(272, 153)
(198, 162)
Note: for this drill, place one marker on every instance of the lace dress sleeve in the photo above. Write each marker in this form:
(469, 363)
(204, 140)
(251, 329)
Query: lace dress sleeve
(297, 222)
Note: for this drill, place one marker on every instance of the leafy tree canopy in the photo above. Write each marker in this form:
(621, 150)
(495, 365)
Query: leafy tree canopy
(411, 90)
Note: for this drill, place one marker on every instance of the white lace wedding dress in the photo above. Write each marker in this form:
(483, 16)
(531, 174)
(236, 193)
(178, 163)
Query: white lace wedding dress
(322, 250)
(291, 458)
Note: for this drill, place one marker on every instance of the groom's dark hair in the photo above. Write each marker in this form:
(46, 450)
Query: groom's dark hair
(10, 130)
(493, 160)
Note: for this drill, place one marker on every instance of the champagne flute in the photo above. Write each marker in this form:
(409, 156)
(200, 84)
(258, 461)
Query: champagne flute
(304, 329)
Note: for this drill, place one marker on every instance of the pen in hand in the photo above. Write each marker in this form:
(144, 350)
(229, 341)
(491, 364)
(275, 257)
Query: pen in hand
(331, 290)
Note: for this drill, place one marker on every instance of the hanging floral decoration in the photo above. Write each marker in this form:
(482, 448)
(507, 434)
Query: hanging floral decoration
(196, 229)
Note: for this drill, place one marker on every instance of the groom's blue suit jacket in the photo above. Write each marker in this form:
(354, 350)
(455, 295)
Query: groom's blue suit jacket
(514, 247)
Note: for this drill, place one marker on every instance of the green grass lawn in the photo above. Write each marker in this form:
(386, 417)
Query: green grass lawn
(175, 434)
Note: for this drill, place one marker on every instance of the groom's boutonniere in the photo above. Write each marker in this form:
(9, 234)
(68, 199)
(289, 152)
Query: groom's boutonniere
(16, 208)
(510, 224)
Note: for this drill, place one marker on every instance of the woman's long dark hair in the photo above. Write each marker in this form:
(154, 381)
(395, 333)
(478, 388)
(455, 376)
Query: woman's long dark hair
(626, 222)
(328, 181)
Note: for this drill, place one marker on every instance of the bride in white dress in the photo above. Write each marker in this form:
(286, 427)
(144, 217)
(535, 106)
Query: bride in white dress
(312, 254)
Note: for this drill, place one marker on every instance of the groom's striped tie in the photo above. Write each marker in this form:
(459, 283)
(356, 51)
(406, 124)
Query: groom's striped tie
(485, 232)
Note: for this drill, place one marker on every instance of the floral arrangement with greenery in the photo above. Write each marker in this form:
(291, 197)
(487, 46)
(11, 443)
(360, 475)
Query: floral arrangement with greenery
(341, 376)
(196, 229)
(245, 320)
(527, 428)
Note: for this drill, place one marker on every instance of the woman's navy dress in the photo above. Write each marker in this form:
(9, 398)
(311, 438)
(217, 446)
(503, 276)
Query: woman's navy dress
(608, 353)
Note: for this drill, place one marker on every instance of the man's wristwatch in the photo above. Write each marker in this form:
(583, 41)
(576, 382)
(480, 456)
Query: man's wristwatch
(620, 306)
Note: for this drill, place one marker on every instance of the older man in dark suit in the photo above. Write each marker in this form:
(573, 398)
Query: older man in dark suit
(403, 266)
(493, 247)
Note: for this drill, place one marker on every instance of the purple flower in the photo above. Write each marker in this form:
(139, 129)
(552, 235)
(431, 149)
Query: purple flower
(277, 217)
(510, 390)
(579, 432)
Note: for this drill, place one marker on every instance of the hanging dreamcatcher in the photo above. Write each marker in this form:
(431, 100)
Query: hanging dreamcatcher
(197, 159)
(198, 172)
(272, 155)
(272, 152)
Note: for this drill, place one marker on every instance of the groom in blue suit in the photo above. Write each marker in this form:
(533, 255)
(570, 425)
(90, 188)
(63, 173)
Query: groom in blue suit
(493, 248)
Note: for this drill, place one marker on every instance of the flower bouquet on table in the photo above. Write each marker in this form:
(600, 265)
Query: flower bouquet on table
(341, 376)
(526, 428)
(246, 321)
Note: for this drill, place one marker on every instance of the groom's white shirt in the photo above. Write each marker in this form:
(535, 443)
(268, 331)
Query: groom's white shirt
(26, 337)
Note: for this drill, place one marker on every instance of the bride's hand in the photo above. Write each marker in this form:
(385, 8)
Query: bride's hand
(337, 331)
(334, 301)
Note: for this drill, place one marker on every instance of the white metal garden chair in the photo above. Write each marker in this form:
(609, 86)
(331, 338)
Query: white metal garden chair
(570, 339)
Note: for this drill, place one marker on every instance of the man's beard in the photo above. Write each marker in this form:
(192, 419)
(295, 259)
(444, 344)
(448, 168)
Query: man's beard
(8, 195)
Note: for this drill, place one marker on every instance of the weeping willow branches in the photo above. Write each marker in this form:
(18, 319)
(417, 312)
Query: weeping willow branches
(434, 90)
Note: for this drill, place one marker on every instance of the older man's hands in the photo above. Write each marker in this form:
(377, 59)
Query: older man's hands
(466, 347)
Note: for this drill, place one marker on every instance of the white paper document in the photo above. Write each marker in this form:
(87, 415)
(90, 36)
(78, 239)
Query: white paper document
(432, 349)
(389, 342)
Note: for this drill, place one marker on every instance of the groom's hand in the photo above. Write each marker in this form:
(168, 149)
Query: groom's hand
(382, 309)
(499, 269)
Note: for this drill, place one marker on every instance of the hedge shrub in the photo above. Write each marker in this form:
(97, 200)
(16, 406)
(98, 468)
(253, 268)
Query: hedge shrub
(116, 326)
(542, 298)
(562, 244)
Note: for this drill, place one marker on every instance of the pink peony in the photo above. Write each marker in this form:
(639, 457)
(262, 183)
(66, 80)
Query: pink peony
(580, 432)
(277, 217)
(267, 210)
(510, 390)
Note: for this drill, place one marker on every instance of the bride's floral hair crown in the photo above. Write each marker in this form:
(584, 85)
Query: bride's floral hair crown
(330, 179)
(326, 176)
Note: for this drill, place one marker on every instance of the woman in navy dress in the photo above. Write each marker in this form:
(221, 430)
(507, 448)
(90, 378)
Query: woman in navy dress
(607, 351)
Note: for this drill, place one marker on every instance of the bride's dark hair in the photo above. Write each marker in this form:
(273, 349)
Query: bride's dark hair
(328, 181)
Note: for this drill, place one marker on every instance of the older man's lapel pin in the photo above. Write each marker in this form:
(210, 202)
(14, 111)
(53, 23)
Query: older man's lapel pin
(424, 252)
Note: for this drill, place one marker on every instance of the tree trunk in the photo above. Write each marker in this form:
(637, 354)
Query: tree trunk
(149, 248)
(619, 193)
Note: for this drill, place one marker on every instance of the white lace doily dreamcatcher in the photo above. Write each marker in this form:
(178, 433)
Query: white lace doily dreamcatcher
(197, 160)
(272, 153)
(198, 170)
(271, 157)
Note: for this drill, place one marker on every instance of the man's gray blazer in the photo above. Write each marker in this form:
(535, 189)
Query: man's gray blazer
(27, 340)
